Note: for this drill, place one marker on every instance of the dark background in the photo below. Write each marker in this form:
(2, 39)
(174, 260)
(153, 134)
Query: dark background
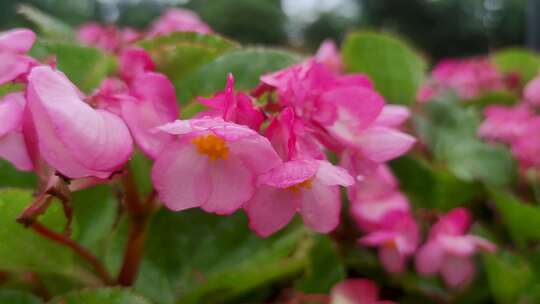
(440, 28)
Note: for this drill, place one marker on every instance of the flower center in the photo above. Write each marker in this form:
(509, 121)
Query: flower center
(305, 184)
(211, 145)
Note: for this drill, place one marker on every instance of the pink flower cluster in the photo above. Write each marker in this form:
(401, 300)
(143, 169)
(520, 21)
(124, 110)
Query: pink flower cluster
(113, 39)
(356, 291)
(468, 78)
(517, 126)
(220, 160)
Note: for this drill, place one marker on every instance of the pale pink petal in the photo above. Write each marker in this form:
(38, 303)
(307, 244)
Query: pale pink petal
(392, 116)
(328, 54)
(379, 237)
(391, 259)
(271, 209)
(181, 177)
(382, 144)
(321, 206)
(483, 243)
(457, 245)
(17, 40)
(531, 93)
(331, 175)
(74, 138)
(11, 112)
(457, 271)
(13, 149)
(256, 153)
(12, 66)
(289, 173)
(369, 214)
(429, 258)
(355, 291)
(233, 184)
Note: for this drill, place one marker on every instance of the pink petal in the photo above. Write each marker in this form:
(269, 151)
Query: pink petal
(232, 185)
(379, 237)
(355, 291)
(256, 153)
(181, 177)
(331, 175)
(155, 106)
(13, 66)
(11, 112)
(17, 40)
(74, 138)
(321, 206)
(271, 209)
(391, 259)
(531, 93)
(457, 245)
(134, 62)
(13, 149)
(382, 144)
(457, 271)
(429, 258)
(483, 243)
(289, 173)
(392, 116)
(370, 214)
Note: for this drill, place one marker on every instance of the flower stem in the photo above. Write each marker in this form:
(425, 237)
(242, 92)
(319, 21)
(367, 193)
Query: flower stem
(140, 214)
(84, 253)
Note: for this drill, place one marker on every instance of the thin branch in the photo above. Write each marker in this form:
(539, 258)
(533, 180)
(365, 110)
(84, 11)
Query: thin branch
(84, 253)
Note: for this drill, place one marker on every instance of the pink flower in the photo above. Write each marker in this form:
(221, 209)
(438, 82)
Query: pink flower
(310, 187)
(75, 139)
(328, 54)
(106, 37)
(397, 238)
(135, 61)
(526, 147)
(12, 144)
(449, 249)
(356, 291)
(375, 195)
(178, 20)
(13, 46)
(505, 124)
(531, 93)
(233, 106)
(469, 78)
(211, 164)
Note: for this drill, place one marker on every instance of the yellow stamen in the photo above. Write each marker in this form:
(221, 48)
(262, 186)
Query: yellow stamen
(211, 145)
(305, 184)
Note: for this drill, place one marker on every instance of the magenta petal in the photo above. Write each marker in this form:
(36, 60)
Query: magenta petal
(232, 185)
(11, 112)
(429, 258)
(13, 149)
(181, 177)
(321, 206)
(382, 144)
(271, 209)
(391, 259)
(74, 138)
(134, 62)
(457, 271)
(17, 40)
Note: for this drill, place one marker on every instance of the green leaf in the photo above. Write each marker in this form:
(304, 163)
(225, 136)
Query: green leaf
(101, 296)
(520, 218)
(492, 98)
(95, 209)
(430, 187)
(179, 53)
(395, 68)
(11, 177)
(515, 60)
(49, 26)
(450, 132)
(86, 67)
(247, 65)
(24, 250)
(203, 258)
(509, 276)
(17, 297)
(325, 267)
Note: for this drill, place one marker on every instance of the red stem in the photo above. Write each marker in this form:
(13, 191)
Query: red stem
(140, 219)
(61, 239)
